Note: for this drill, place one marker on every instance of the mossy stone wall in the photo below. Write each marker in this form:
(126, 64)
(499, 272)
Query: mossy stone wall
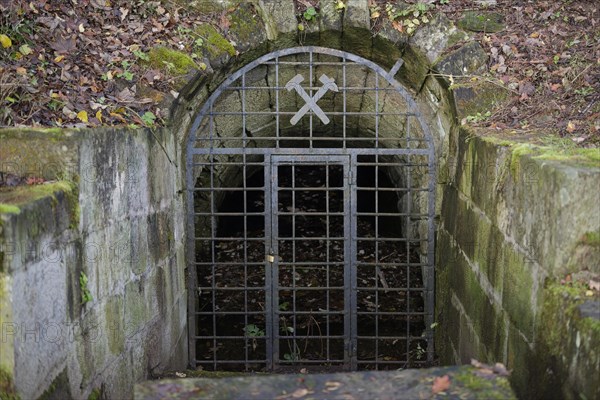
(513, 223)
(116, 219)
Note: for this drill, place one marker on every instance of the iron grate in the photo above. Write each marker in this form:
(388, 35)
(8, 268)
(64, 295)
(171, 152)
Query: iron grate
(310, 176)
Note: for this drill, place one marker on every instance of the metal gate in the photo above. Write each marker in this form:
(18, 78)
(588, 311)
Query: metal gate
(310, 219)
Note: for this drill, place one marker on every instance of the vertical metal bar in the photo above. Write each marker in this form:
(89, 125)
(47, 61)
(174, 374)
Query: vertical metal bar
(294, 307)
(327, 258)
(430, 283)
(244, 136)
(245, 244)
(213, 258)
(310, 91)
(408, 238)
(344, 90)
(350, 263)
(270, 232)
(376, 270)
(277, 127)
(376, 110)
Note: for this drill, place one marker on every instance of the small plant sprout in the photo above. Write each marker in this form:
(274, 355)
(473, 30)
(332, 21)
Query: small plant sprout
(479, 117)
(148, 118)
(310, 14)
(86, 296)
(253, 332)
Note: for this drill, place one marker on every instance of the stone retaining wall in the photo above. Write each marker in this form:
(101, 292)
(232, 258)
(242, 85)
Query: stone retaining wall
(115, 219)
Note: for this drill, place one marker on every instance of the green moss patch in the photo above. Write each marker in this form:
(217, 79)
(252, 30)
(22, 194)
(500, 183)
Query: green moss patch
(478, 21)
(215, 44)
(7, 389)
(173, 61)
(544, 147)
(12, 199)
(25, 194)
(9, 209)
(591, 239)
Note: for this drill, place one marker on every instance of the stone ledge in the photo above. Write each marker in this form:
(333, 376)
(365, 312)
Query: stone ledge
(465, 383)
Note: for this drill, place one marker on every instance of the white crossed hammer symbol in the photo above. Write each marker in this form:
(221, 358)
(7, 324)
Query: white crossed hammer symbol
(311, 102)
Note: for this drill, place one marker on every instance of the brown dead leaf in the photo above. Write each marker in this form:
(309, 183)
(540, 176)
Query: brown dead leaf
(224, 22)
(440, 384)
(571, 127)
(64, 45)
(397, 25)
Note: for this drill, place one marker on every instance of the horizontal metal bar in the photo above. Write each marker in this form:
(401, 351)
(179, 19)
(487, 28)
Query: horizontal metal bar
(331, 113)
(341, 88)
(390, 313)
(314, 150)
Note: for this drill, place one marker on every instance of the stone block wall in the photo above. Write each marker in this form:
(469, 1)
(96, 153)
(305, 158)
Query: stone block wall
(513, 224)
(116, 220)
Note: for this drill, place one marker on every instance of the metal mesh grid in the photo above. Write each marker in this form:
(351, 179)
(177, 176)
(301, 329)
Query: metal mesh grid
(305, 207)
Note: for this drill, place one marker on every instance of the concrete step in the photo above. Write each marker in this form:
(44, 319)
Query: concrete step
(455, 382)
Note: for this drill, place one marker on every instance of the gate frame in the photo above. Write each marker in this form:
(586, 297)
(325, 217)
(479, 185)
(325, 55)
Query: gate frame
(191, 150)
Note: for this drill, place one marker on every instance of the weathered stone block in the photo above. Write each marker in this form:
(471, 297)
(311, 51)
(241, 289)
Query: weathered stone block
(246, 29)
(433, 38)
(470, 59)
(482, 21)
(279, 17)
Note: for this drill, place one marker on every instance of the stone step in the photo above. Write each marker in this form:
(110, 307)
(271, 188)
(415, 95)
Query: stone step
(455, 382)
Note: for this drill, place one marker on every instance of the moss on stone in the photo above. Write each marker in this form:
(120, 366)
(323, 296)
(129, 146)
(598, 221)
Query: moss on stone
(171, 60)
(96, 394)
(12, 200)
(517, 152)
(485, 388)
(9, 209)
(591, 239)
(215, 43)
(59, 388)
(560, 313)
(244, 24)
(478, 21)
(7, 389)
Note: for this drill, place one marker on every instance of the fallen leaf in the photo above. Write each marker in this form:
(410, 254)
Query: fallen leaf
(83, 116)
(300, 393)
(99, 115)
(5, 41)
(397, 25)
(25, 50)
(594, 285)
(440, 384)
(64, 45)
(332, 386)
(589, 293)
(501, 370)
(571, 127)
(81, 28)
(21, 71)
(180, 374)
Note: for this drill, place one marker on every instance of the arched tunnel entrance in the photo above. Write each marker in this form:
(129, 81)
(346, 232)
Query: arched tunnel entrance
(311, 203)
